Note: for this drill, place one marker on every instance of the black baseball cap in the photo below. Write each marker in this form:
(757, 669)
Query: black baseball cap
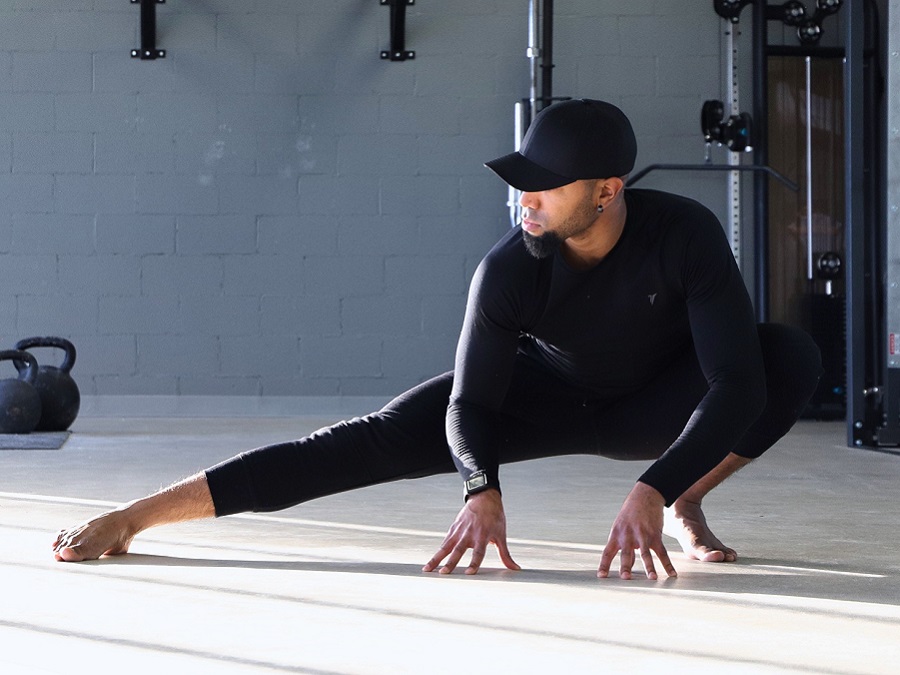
(568, 141)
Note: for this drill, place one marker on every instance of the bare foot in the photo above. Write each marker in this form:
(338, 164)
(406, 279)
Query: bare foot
(685, 522)
(106, 534)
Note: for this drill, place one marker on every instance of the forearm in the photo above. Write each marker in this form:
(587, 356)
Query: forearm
(716, 426)
(470, 435)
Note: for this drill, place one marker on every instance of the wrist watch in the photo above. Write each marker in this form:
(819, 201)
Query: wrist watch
(477, 482)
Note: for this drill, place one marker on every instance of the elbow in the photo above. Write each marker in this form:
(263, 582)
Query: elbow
(747, 393)
(755, 394)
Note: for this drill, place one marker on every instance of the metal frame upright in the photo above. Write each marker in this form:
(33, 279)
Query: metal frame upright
(859, 384)
(872, 384)
(873, 209)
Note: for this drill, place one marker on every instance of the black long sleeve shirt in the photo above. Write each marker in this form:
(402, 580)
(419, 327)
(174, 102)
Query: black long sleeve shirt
(669, 284)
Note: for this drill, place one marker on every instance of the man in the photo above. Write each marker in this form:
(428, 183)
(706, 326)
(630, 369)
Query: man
(614, 322)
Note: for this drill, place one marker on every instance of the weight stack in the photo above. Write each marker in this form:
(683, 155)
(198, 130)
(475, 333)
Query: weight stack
(824, 318)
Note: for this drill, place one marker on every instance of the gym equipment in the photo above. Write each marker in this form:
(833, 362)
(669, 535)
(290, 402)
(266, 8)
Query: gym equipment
(781, 178)
(20, 403)
(873, 271)
(809, 32)
(825, 318)
(59, 395)
(735, 133)
(790, 13)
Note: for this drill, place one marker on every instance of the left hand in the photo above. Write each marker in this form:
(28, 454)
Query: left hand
(479, 523)
(637, 527)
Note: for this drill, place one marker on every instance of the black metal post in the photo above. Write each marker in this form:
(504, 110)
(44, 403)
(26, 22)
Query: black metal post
(547, 54)
(854, 224)
(760, 158)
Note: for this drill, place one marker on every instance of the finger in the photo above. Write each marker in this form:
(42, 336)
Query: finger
(506, 557)
(455, 556)
(626, 562)
(663, 556)
(436, 559)
(606, 559)
(475, 563)
(647, 560)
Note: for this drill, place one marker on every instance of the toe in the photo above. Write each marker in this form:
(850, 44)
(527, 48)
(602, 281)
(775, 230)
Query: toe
(711, 555)
(67, 554)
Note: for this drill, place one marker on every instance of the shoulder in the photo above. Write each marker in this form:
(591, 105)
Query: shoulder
(507, 281)
(661, 210)
(688, 239)
(673, 222)
(508, 260)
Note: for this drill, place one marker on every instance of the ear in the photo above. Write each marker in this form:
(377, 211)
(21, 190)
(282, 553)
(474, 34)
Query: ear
(607, 190)
(612, 187)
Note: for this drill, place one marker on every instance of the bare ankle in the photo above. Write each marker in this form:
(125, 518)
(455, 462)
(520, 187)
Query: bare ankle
(685, 502)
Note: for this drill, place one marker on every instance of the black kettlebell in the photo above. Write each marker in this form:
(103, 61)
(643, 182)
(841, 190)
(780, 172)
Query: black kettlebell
(60, 398)
(20, 403)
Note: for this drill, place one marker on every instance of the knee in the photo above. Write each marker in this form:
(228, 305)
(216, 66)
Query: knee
(791, 357)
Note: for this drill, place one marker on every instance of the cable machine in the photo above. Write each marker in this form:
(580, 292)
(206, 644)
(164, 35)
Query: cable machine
(807, 87)
(864, 315)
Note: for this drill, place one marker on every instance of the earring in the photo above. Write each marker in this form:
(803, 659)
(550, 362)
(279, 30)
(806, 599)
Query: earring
(599, 208)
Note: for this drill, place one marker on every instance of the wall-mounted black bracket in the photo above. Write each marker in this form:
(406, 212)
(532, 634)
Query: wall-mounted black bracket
(398, 51)
(148, 48)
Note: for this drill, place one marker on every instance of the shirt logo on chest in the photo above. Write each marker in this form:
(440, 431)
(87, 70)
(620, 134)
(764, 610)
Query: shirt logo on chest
(652, 298)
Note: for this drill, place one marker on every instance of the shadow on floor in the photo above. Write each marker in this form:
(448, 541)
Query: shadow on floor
(746, 580)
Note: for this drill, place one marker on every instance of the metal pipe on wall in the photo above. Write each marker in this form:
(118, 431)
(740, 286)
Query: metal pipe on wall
(534, 53)
(540, 88)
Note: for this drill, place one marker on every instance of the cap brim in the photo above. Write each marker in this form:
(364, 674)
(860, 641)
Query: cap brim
(523, 174)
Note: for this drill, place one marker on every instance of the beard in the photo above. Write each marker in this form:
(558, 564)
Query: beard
(544, 246)
(577, 221)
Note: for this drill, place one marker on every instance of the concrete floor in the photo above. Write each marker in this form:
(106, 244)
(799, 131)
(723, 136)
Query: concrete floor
(335, 586)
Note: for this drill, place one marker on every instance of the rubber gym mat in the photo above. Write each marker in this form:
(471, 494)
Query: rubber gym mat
(39, 440)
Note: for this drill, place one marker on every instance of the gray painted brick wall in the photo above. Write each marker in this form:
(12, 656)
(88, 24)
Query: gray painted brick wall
(272, 209)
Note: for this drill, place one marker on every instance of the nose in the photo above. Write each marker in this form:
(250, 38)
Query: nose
(528, 200)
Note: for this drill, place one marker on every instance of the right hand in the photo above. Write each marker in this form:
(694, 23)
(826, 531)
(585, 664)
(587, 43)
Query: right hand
(479, 523)
(638, 527)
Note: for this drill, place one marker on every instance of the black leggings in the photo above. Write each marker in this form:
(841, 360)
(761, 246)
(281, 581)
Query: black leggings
(541, 417)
